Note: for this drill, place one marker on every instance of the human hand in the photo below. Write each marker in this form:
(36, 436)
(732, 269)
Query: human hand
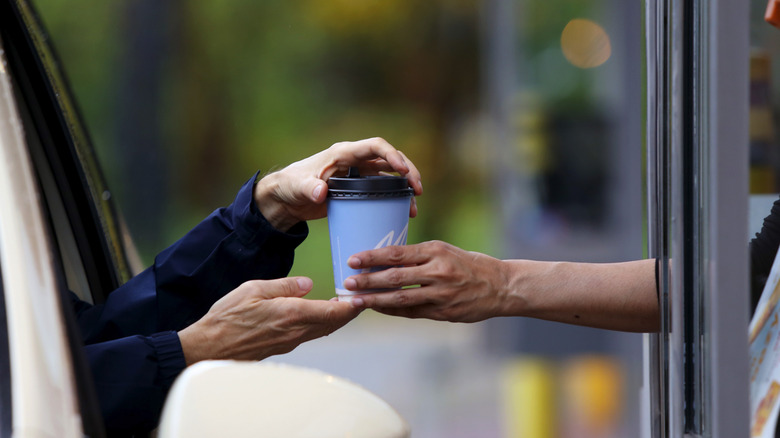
(298, 192)
(262, 318)
(454, 285)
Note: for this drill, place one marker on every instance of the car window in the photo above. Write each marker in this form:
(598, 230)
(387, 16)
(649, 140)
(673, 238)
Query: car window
(5, 369)
(89, 256)
(69, 254)
(69, 269)
(83, 216)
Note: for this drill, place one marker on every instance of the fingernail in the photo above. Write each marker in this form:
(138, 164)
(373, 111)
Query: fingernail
(304, 283)
(350, 284)
(317, 191)
(357, 302)
(353, 262)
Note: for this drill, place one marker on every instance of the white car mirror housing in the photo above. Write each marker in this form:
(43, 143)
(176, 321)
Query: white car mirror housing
(249, 399)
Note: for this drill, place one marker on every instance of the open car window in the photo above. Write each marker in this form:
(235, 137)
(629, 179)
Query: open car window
(65, 161)
(68, 268)
(66, 242)
(89, 257)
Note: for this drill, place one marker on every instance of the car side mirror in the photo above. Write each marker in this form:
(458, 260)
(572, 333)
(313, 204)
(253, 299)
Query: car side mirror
(243, 399)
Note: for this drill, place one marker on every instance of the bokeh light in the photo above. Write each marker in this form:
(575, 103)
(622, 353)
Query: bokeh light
(585, 44)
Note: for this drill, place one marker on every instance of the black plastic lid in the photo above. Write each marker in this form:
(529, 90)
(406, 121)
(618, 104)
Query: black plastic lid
(381, 186)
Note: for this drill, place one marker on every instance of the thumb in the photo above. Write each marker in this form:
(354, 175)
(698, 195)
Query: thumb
(282, 287)
(317, 190)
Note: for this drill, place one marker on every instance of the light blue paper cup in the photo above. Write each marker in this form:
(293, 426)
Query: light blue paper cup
(365, 213)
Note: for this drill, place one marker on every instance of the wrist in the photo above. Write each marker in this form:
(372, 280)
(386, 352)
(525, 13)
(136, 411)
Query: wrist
(268, 204)
(194, 345)
(519, 287)
(498, 279)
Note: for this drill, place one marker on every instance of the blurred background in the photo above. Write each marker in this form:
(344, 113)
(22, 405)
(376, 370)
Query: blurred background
(525, 118)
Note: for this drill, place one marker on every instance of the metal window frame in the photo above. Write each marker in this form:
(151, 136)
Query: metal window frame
(728, 264)
(697, 102)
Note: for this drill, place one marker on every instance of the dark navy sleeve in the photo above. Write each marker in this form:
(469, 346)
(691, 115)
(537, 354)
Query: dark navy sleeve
(131, 341)
(132, 376)
(763, 249)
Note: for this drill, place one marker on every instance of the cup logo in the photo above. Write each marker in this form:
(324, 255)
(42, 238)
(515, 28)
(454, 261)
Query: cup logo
(388, 239)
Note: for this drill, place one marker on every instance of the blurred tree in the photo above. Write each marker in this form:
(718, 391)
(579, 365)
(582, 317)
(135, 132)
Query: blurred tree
(139, 131)
(290, 78)
(419, 56)
(88, 57)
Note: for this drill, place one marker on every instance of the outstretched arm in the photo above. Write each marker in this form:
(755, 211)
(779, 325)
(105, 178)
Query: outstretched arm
(457, 285)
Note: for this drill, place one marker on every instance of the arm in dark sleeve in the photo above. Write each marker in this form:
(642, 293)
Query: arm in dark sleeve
(131, 342)
(232, 245)
(132, 376)
(763, 249)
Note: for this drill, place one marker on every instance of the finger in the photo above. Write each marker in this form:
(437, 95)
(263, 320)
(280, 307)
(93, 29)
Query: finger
(315, 188)
(327, 312)
(384, 168)
(413, 207)
(281, 287)
(378, 147)
(391, 278)
(397, 255)
(295, 186)
(369, 152)
(396, 299)
(414, 177)
(406, 312)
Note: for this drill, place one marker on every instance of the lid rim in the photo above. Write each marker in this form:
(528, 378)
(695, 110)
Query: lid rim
(375, 194)
(369, 184)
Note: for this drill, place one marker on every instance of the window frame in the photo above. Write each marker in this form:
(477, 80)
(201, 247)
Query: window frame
(49, 159)
(697, 149)
(87, 200)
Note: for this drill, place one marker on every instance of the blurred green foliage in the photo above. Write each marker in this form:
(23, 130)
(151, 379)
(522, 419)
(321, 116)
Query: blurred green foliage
(249, 85)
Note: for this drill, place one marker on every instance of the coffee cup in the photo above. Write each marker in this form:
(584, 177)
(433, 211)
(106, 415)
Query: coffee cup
(365, 212)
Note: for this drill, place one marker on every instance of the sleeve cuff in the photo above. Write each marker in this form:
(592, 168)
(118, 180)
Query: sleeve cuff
(170, 356)
(657, 278)
(250, 224)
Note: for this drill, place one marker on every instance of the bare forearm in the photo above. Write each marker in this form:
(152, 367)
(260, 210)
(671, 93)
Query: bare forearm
(615, 296)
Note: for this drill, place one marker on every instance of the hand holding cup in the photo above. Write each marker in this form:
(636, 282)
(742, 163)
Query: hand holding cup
(297, 193)
(434, 280)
